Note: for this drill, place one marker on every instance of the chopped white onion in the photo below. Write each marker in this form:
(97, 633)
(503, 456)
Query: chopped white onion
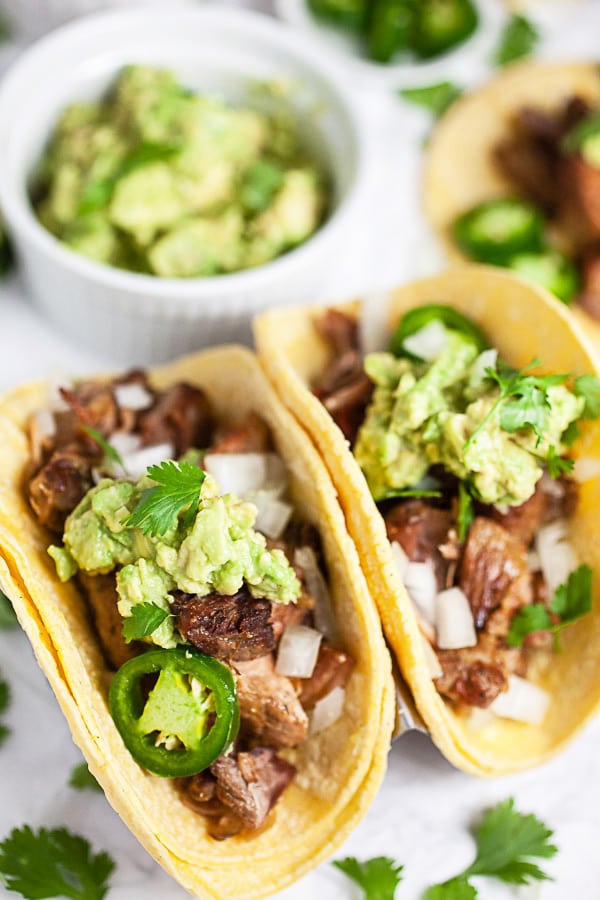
(454, 620)
(327, 710)
(45, 423)
(400, 558)
(137, 462)
(523, 702)
(124, 443)
(479, 719)
(298, 651)
(586, 468)
(305, 559)
(557, 557)
(433, 664)
(273, 514)
(429, 341)
(419, 581)
(133, 396)
(240, 473)
(373, 322)
(486, 360)
(533, 561)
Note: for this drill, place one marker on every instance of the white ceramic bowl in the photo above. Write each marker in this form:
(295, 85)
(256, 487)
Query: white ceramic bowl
(141, 318)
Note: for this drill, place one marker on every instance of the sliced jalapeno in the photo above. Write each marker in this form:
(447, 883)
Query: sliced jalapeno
(441, 25)
(351, 14)
(419, 317)
(495, 230)
(550, 269)
(188, 719)
(390, 28)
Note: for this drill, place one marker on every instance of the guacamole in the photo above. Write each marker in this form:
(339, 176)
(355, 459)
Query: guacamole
(444, 412)
(218, 551)
(158, 179)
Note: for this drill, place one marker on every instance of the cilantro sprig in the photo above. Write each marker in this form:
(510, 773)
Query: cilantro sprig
(53, 863)
(178, 488)
(436, 98)
(378, 877)
(82, 779)
(571, 600)
(4, 702)
(109, 451)
(143, 621)
(518, 39)
(507, 842)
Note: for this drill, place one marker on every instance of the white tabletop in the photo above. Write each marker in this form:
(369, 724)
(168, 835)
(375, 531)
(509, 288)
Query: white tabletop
(424, 808)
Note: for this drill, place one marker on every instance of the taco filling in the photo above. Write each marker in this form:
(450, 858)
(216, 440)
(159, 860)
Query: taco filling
(549, 231)
(468, 461)
(207, 594)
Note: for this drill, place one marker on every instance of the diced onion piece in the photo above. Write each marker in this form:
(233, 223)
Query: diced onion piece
(400, 558)
(327, 710)
(486, 360)
(133, 396)
(557, 557)
(45, 423)
(551, 486)
(428, 342)
(136, 463)
(586, 468)
(305, 559)
(298, 651)
(373, 327)
(433, 664)
(240, 473)
(273, 514)
(523, 702)
(419, 581)
(124, 443)
(454, 620)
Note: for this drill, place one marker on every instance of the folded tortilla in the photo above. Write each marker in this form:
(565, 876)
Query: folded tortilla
(339, 769)
(459, 171)
(523, 322)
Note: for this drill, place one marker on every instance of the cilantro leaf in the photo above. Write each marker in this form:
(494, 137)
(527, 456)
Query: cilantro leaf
(8, 618)
(518, 39)
(455, 889)
(527, 621)
(82, 779)
(108, 449)
(588, 387)
(436, 98)
(466, 513)
(570, 434)
(143, 621)
(53, 863)
(378, 877)
(573, 599)
(179, 487)
(556, 465)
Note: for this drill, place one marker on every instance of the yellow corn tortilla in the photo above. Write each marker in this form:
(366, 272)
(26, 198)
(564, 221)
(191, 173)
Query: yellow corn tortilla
(339, 770)
(459, 171)
(524, 322)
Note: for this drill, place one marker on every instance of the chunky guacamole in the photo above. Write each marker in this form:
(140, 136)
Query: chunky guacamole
(444, 411)
(158, 179)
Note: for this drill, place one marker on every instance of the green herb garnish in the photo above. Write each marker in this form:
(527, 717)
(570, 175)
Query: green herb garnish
(518, 39)
(82, 779)
(437, 98)
(378, 877)
(8, 618)
(588, 387)
(4, 702)
(109, 451)
(571, 600)
(179, 485)
(143, 621)
(410, 492)
(53, 863)
(556, 465)
(507, 841)
(587, 128)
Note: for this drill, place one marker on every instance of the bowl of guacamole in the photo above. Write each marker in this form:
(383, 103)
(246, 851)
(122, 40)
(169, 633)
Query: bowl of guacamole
(167, 174)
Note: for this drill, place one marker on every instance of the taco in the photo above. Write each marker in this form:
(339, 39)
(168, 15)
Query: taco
(221, 621)
(512, 177)
(471, 556)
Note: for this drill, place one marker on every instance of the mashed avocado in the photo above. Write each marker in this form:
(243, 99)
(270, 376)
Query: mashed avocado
(158, 179)
(430, 413)
(216, 552)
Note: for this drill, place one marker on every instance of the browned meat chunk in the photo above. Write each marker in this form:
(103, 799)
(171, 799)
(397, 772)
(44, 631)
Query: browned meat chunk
(583, 184)
(58, 487)
(494, 570)
(333, 669)
(181, 416)
(199, 794)
(101, 594)
(249, 436)
(426, 534)
(525, 520)
(228, 627)
(285, 614)
(269, 707)
(473, 675)
(251, 783)
(93, 404)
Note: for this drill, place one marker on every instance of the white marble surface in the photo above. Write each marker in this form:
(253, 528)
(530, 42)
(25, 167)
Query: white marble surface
(422, 813)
